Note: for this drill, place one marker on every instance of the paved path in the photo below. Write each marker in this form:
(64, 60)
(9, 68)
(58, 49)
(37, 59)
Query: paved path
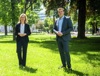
(87, 35)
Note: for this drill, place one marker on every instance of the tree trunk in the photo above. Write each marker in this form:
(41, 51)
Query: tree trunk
(13, 33)
(81, 18)
(13, 17)
(5, 29)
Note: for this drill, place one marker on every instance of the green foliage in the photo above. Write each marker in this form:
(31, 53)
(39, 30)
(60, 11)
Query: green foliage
(39, 25)
(74, 16)
(54, 4)
(5, 12)
(93, 10)
(32, 17)
(94, 6)
(21, 6)
(48, 23)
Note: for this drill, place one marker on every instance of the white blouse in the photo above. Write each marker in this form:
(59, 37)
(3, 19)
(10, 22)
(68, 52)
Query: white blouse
(22, 28)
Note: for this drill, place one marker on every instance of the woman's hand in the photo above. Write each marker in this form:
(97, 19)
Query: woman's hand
(22, 35)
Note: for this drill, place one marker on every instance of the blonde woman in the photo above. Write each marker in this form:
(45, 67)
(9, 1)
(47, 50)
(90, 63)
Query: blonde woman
(22, 31)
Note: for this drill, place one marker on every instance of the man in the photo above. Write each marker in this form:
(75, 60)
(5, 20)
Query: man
(62, 28)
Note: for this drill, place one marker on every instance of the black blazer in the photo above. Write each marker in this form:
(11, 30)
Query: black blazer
(27, 31)
(67, 27)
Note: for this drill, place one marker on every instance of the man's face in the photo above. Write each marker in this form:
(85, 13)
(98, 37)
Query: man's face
(60, 13)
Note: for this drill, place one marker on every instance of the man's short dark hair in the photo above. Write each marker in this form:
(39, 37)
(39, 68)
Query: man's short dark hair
(60, 8)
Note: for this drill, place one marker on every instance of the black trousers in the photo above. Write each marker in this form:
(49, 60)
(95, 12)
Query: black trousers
(22, 52)
(64, 52)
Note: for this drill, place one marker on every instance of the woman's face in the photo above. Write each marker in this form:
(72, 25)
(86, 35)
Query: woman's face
(22, 18)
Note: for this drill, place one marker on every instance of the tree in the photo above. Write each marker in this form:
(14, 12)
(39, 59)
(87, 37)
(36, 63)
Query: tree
(81, 18)
(52, 5)
(32, 17)
(4, 14)
(80, 5)
(40, 25)
(48, 24)
(11, 9)
(93, 14)
(26, 4)
(14, 15)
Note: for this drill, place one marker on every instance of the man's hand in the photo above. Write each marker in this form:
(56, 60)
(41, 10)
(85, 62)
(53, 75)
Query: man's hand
(59, 33)
(22, 35)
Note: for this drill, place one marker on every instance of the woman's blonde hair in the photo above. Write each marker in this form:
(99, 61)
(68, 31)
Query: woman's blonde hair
(24, 16)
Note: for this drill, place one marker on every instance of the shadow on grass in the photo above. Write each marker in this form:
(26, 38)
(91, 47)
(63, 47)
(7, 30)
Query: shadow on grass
(7, 41)
(85, 45)
(75, 72)
(5, 36)
(50, 44)
(76, 45)
(89, 47)
(28, 69)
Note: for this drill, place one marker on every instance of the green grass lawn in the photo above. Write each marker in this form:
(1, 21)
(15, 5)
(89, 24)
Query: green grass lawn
(43, 57)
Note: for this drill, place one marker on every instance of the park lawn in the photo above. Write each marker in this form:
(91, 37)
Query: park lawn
(43, 57)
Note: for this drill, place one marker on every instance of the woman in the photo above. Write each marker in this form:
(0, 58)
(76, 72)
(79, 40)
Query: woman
(22, 31)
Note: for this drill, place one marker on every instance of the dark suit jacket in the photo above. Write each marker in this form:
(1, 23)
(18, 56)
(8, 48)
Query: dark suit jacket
(66, 28)
(26, 30)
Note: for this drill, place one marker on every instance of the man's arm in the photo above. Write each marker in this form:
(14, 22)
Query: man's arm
(70, 27)
(55, 28)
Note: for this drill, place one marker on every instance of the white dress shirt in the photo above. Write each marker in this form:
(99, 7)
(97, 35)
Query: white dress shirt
(60, 21)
